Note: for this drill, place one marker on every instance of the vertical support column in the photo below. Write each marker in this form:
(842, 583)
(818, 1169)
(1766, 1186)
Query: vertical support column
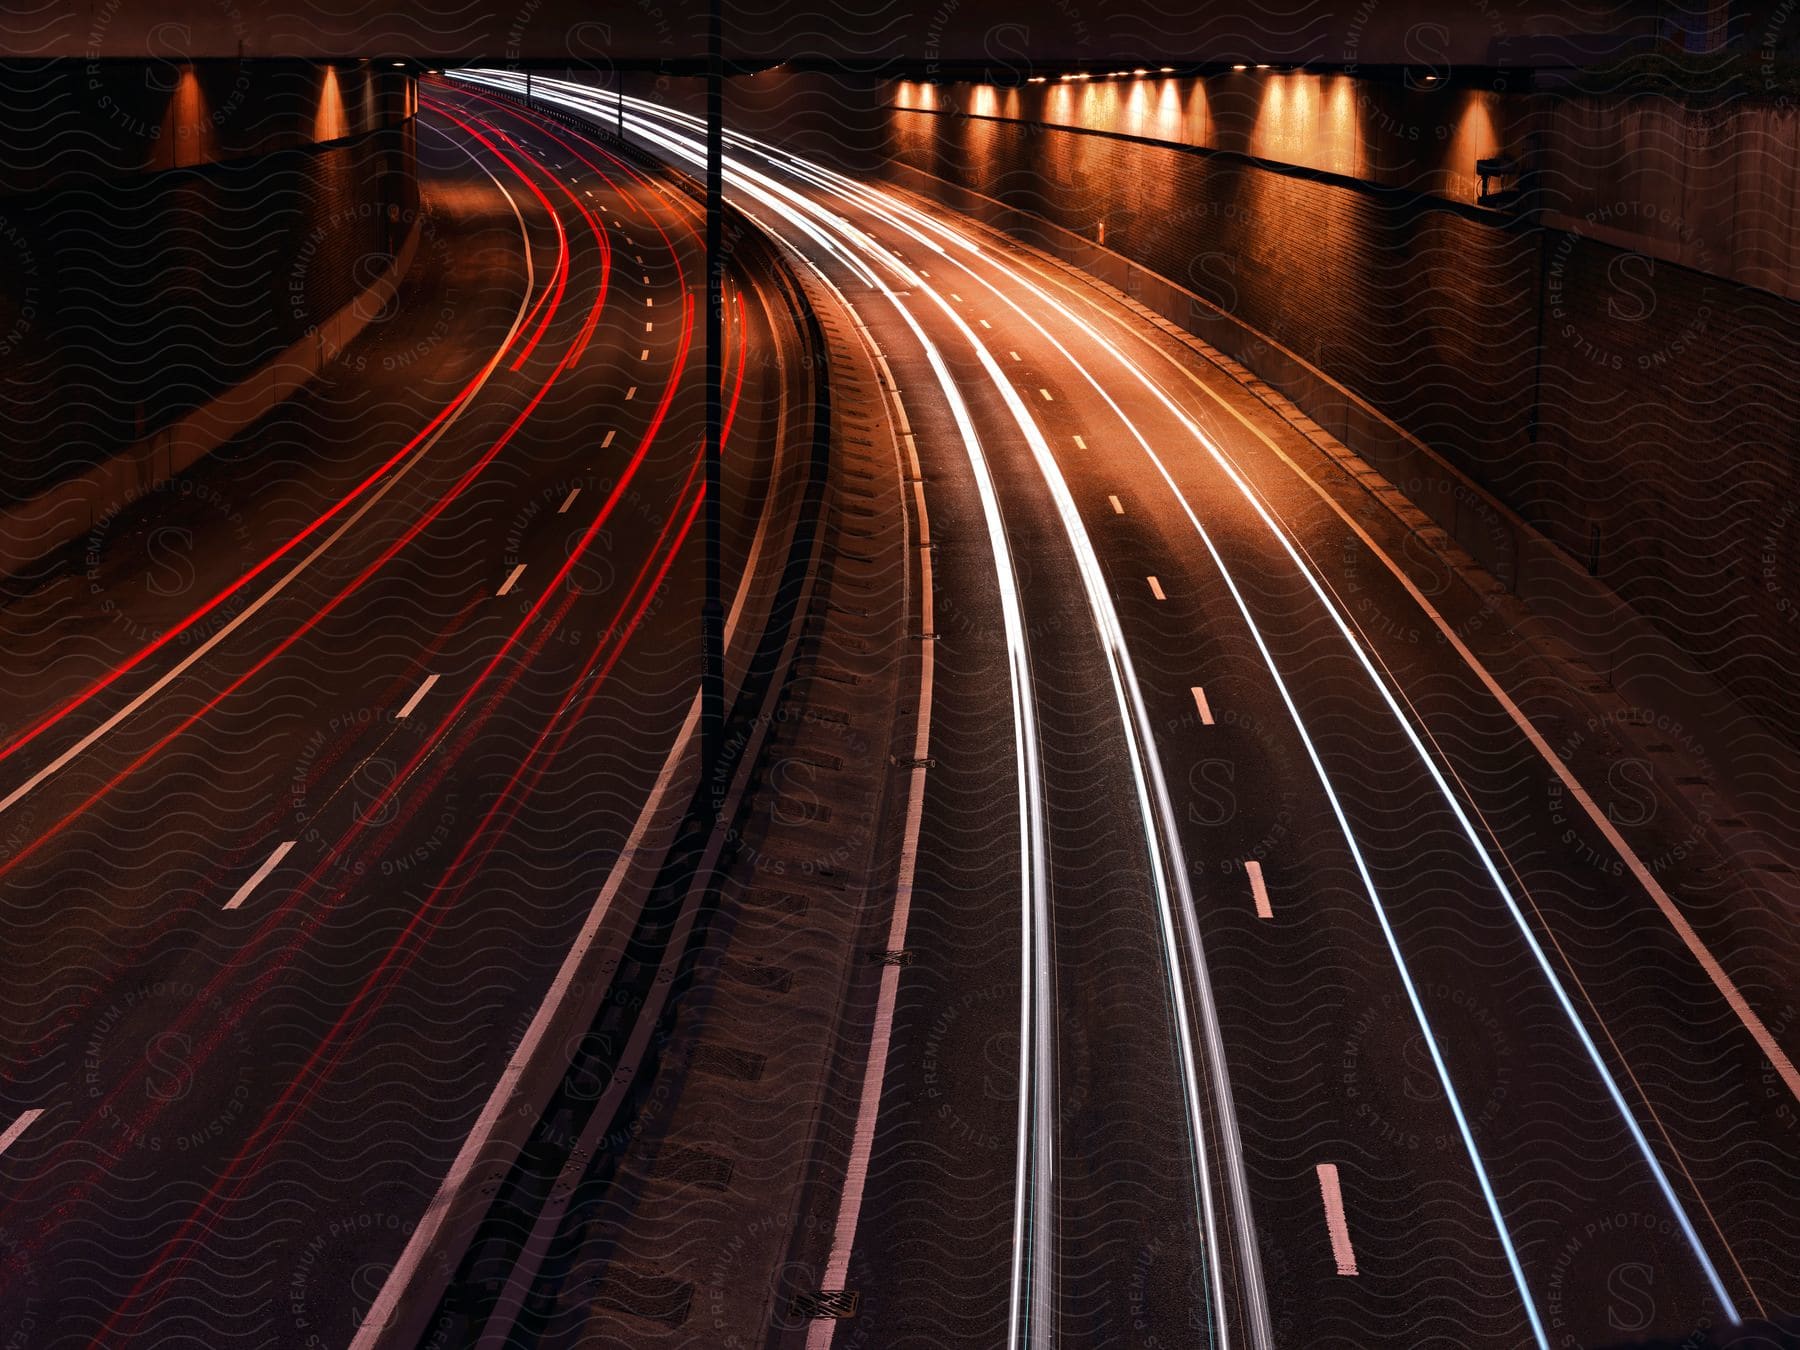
(712, 659)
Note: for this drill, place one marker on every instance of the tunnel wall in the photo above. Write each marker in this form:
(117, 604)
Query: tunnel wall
(167, 233)
(1637, 414)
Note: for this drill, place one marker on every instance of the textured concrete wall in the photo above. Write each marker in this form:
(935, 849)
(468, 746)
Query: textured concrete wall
(1716, 189)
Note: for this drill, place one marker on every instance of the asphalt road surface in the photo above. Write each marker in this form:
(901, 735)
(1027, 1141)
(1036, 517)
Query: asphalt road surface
(314, 761)
(1272, 983)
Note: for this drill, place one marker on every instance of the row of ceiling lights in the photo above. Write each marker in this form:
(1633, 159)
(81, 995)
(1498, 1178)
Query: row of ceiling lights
(1145, 70)
(1109, 75)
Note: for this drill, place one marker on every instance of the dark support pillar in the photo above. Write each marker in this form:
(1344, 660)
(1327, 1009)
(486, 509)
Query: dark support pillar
(712, 662)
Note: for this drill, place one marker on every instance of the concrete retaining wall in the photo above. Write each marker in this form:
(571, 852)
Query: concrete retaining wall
(43, 523)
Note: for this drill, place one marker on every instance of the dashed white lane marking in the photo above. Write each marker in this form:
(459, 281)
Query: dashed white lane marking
(648, 302)
(568, 501)
(1118, 508)
(1333, 1196)
(1156, 588)
(629, 393)
(649, 327)
(954, 296)
(609, 438)
(1046, 394)
(640, 257)
(1206, 717)
(511, 577)
(644, 355)
(1014, 355)
(1259, 889)
(418, 694)
(646, 278)
(986, 324)
(243, 892)
(1080, 444)
(18, 1127)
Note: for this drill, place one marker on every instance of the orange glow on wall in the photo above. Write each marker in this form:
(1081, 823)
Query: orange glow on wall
(1474, 137)
(330, 122)
(187, 135)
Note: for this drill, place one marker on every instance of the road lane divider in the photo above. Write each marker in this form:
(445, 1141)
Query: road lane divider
(1205, 709)
(1032, 1307)
(1331, 1193)
(1259, 890)
(512, 577)
(18, 1127)
(261, 874)
(406, 709)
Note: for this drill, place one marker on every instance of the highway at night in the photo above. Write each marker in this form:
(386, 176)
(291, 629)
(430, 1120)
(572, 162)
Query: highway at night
(1160, 874)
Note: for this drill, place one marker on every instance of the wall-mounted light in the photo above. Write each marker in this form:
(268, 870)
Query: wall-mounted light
(1036, 79)
(1240, 67)
(1167, 70)
(1140, 71)
(1262, 65)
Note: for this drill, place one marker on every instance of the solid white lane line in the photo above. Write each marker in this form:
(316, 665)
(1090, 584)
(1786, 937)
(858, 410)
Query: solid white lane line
(1257, 887)
(568, 501)
(477, 1149)
(608, 440)
(418, 694)
(837, 1265)
(1118, 510)
(1206, 717)
(511, 577)
(18, 1127)
(256, 879)
(1156, 588)
(1333, 1196)
(1080, 444)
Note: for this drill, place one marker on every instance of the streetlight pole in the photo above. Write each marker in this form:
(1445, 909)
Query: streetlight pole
(712, 657)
